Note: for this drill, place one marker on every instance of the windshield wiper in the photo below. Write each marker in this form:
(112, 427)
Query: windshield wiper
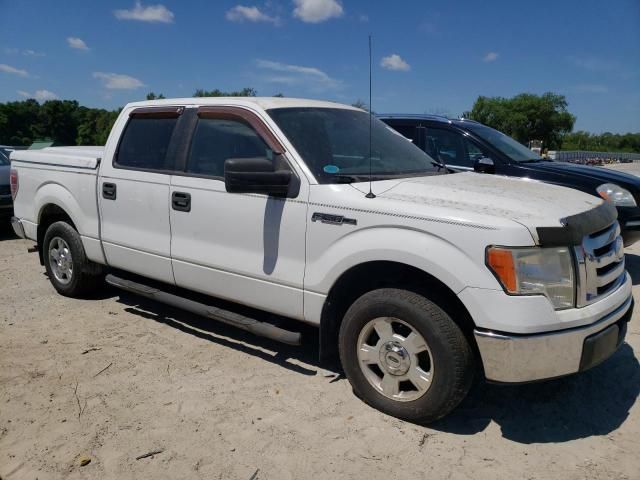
(346, 178)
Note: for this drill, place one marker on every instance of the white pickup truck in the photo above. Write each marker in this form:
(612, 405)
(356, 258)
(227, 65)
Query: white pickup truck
(264, 205)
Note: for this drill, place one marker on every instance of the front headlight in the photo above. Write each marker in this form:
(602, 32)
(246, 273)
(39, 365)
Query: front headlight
(531, 271)
(619, 196)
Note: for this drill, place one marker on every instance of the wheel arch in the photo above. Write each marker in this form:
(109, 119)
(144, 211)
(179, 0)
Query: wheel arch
(48, 214)
(367, 276)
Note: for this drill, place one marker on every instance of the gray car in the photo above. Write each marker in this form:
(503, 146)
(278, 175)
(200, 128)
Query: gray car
(6, 204)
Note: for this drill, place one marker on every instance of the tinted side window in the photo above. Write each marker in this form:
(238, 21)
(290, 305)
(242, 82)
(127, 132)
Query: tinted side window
(407, 131)
(216, 140)
(144, 143)
(447, 146)
(473, 151)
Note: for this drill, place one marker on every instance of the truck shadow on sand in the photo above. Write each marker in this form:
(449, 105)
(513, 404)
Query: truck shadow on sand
(632, 264)
(593, 403)
(6, 233)
(231, 337)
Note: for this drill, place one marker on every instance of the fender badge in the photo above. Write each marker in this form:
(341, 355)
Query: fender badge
(332, 219)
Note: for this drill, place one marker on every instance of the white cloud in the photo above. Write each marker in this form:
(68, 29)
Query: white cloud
(32, 53)
(151, 13)
(240, 14)
(12, 70)
(116, 81)
(316, 11)
(288, 74)
(27, 52)
(490, 57)
(39, 95)
(77, 43)
(394, 62)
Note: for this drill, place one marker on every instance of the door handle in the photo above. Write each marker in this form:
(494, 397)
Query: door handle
(181, 201)
(109, 191)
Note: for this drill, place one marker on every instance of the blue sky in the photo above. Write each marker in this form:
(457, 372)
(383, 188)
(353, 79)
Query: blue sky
(434, 57)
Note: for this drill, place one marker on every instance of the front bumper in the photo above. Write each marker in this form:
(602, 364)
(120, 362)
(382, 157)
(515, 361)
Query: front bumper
(514, 358)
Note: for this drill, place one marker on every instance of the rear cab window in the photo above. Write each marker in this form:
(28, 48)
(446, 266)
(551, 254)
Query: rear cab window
(146, 139)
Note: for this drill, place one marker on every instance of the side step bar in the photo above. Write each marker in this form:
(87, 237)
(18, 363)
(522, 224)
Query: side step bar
(252, 325)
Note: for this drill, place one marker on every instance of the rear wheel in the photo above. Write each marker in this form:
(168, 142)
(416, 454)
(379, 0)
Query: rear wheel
(69, 270)
(404, 355)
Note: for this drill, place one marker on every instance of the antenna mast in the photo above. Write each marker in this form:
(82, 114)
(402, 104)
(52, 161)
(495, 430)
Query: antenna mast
(370, 194)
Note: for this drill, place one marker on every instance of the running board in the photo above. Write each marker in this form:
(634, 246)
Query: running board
(252, 325)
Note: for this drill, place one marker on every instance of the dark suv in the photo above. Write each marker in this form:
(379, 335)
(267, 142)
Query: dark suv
(465, 145)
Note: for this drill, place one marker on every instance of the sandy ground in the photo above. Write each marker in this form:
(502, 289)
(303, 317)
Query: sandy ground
(113, 378)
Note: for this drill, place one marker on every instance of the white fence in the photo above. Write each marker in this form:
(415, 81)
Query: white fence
(581, 156)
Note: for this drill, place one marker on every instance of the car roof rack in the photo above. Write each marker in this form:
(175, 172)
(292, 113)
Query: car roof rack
(415, 116)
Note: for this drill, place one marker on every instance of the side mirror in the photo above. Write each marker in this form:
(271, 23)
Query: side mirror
(484, 165)
(256, 175)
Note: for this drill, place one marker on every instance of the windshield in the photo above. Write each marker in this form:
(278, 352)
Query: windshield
(4, 158)
(507, 145)
(334, 143)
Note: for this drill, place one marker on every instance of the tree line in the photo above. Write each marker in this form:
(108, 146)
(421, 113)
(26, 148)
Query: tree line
(545, 117)
(525, 117)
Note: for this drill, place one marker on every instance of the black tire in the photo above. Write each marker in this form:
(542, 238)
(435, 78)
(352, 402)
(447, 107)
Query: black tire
(86, 275)
(452, 357)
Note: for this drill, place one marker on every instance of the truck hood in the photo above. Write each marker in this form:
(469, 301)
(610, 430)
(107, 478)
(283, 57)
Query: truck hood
(528, 202)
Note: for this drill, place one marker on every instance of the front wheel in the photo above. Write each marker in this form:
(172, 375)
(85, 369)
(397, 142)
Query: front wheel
(404, 355)
(69, 270)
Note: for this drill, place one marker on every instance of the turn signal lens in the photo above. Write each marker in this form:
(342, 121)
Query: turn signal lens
(13, 180)
(617, 195)
(535, 271)
(501, 262)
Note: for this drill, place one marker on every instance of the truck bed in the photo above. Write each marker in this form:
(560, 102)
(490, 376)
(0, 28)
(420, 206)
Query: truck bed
(62, 176)
(72, 157)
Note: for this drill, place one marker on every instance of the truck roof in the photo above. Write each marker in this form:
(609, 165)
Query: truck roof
(265, 103)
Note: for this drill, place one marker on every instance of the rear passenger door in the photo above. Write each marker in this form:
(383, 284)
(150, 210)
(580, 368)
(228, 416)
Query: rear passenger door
(247, 248)
(133, 193)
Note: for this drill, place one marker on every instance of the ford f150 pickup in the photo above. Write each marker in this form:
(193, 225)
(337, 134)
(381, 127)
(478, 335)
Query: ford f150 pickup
(313, 211)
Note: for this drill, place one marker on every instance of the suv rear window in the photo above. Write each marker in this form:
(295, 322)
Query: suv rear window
(145, 142)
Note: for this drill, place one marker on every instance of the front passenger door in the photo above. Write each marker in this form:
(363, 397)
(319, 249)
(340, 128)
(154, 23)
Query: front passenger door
(247, 248)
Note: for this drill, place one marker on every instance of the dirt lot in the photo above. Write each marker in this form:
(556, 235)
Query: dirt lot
(114, 378)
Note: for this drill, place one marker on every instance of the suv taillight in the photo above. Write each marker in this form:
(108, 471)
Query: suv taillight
(14, 183)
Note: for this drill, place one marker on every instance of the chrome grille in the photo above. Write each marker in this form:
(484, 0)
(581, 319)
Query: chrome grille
(600, 264)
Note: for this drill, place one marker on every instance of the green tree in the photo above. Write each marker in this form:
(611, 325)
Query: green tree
(153, 96)
(527, 117)
(360, 104)
(59, 120)
(245, 92)
(21, 124)
(95, 126)
(606, 142)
